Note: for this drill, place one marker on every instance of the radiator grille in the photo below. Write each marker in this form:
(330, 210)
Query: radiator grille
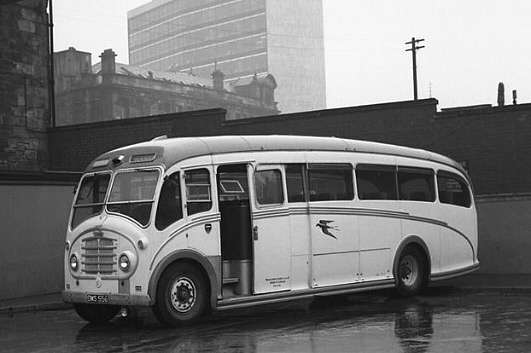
(99, 255)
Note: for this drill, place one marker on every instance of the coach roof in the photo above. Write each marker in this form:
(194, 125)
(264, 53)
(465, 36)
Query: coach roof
(173, 150)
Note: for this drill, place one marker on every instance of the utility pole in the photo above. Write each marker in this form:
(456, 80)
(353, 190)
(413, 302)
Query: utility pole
(413, 51)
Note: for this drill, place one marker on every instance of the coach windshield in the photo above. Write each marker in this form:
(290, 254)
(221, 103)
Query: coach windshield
(90, 197)
(132, 194)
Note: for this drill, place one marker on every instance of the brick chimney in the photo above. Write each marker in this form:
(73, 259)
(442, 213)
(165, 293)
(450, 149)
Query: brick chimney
(108, 62)
(217, 79)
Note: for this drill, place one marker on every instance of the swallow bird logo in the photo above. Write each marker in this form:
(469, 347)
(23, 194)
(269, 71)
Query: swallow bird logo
(326, 227)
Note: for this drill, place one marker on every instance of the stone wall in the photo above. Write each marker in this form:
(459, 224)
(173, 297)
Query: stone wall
(24, 85)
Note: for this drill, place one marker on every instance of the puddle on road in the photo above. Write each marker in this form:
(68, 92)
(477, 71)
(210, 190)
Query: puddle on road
(446, 322)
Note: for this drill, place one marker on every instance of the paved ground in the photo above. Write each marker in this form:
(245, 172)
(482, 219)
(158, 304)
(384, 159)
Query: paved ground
(473, 282)
(445, 319)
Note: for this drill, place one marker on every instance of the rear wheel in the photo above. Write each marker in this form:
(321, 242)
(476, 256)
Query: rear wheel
(411, 272)
(96, 314)
(182, 295)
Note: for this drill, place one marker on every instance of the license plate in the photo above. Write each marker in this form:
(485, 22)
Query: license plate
(97, 298)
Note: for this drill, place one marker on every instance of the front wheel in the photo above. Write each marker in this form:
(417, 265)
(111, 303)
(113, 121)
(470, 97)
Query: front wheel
(182, 295)
(411, 272)
(96, 314)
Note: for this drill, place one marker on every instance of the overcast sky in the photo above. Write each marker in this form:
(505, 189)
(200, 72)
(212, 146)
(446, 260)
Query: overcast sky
(471, 45)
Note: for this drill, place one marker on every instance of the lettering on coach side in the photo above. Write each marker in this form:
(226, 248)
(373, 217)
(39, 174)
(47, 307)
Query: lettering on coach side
(277, 281)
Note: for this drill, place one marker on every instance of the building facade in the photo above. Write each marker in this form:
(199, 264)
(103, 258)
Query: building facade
(241, 37)
(110, 90)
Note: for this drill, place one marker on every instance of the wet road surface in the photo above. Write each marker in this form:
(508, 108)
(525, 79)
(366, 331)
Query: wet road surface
(441, 320)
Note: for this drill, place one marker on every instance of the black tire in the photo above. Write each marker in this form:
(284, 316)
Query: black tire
(411, 272)
(182, 295)
(96, 314)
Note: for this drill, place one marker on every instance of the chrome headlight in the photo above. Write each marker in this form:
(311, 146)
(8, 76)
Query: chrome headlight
(127, 261)
(124, 263)
(74, 262)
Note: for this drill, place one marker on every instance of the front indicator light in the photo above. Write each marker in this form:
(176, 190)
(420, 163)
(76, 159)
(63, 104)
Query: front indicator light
(74, 264)
(142, 243)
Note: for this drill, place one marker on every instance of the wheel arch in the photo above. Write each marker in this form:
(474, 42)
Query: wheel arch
(412, 240)
(210, 267)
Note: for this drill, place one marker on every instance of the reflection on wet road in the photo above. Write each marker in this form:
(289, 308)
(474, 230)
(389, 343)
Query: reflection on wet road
(442, 320)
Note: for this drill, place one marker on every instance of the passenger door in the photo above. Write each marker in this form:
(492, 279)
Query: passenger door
(271, 229)
(200, 210)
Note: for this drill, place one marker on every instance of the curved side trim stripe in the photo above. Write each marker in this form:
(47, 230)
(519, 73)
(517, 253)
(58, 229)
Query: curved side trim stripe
(182, 229)
(369, 212)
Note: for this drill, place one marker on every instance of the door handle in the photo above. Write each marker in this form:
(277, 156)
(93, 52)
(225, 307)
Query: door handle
(208, 227)
(255, 232)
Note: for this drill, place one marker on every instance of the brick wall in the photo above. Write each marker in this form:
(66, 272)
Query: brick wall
(24, 113)
(73, 147)
(494, 141)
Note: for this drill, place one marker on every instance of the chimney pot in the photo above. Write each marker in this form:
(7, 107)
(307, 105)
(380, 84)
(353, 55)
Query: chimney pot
(501, 94)
(108, 61)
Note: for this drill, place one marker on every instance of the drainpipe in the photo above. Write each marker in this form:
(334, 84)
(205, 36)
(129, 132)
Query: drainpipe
(52, 69)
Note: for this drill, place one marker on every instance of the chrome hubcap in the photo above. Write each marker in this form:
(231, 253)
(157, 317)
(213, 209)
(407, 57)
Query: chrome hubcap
(183, 294)
(408, 270)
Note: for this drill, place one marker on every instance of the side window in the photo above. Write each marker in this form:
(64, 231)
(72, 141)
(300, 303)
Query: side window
(232, 183)
(198, 195)
(169, 209)
(376, 182)
(453, 189)
(330, 182)
(268, 185)
(295, 182)
(416, 184)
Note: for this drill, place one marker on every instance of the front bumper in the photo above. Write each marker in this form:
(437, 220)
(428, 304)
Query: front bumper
(113, 298)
